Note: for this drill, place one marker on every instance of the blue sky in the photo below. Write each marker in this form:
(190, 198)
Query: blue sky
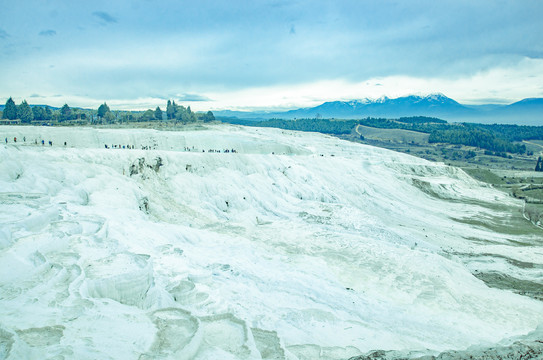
(268, 54)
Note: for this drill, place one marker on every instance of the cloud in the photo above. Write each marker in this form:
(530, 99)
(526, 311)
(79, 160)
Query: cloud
(105, 17)
(47, 33)
(35, 96)
(491, 100)
(193, 97)
(273, 44)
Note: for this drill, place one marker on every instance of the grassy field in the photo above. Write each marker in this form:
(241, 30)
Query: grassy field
(513, 174)
(392, 135)
(416, 143)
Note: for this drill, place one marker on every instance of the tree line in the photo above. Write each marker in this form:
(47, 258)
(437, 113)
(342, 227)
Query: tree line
(495, 139)
(340, 127)
(499, 139)
(185, 115)
(326, 126)
(417, 123)
(103, 115)
(514, 132)
(476, 137)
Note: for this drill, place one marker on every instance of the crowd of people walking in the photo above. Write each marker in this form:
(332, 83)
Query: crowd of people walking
(126, 146)
(50, 142)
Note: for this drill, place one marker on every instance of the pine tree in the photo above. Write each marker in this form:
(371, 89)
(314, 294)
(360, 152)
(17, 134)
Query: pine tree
(25, 112)
(39, 113)
(158, 113)
(109, 117)
(170, 110)
(148, 115)
(65, 113)
(103, 110)
(208, 117)
(539, 165)
(48, 113)
(181, 113)
(10, 110)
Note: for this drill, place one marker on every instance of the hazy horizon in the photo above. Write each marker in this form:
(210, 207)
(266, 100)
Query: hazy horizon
(163, 103)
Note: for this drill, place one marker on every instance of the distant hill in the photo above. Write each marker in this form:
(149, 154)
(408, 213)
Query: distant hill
(530, 102)
(31, 105)
(527, 107)
(524, 112)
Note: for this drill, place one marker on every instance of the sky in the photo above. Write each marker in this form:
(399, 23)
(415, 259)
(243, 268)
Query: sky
(267, 55)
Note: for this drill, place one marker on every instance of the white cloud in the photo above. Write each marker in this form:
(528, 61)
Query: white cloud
(498, 85)
(504, 85)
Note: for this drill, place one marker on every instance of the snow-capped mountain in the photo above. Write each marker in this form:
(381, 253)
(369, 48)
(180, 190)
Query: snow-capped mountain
(527, 111)
(413, 105)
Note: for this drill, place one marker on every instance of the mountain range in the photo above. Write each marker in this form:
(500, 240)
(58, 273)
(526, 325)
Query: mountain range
(524, 112)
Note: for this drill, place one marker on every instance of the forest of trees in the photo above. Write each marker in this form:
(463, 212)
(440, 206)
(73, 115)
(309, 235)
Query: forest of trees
(420, 120)
(335, 127)
(27, 114)
(416, 123)
(476, 137)
(338, 127)
(514, 132)
(495, 139)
